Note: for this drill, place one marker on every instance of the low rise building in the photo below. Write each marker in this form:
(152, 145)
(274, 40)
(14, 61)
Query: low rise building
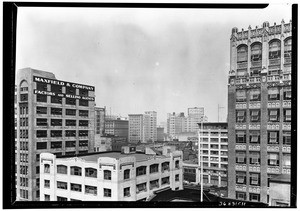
(110, 176)
(280, 188)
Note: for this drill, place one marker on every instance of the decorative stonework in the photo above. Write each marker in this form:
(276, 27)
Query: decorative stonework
(286, 149)
(254, 105)
(254, 189)
(254, 147)
(240, 167)
(240, 147)
(286, 126)
(273, 148)
(254, 127)
(286, 104)
(240, 127)
(286, 171)
(274, 104)
(254, 168)
(273, 126)
(241, 188)
(274, 170)
(241, 106)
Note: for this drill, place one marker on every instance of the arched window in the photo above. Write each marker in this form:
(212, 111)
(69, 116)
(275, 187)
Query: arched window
(242, 53)
(256, 52)
(75, 170)
(24, 91)
(274, 49)
(288, 48)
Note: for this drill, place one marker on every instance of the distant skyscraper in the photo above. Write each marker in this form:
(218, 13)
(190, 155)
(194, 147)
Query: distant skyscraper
(151, 127)
(136, 128)
(99, 120)
(175, 123)
(116, 127)
(259, 110)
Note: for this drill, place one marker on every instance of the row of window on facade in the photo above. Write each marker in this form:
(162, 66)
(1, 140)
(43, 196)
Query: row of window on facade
(213, 140)
(255, 158)
(252, 196)
(59, 111)
(58, 100)
(58, 122)
(255, 94)
(59, 133)
(254, 137)
(214, 146)
(59, 144)
(59, 89)
(255, 115)
(256, 50)
(92, 172)
(93, 190)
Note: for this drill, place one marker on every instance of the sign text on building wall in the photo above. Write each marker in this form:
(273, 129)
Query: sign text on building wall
(62, 83)
(63, 95)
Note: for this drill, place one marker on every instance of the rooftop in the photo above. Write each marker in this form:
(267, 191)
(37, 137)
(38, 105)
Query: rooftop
(285, 178)
(94, 157)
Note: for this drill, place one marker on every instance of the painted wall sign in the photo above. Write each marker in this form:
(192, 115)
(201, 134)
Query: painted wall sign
(62, 83)
(63, 95)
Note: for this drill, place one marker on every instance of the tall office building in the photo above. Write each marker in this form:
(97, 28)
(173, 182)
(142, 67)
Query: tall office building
(116, 127)
(52, 116)
(136, 128)
(259, 109)
(99, 120)
(151, 127)
(175, 123)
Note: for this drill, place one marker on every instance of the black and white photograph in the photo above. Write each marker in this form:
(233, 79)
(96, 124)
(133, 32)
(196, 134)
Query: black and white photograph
(150, 105)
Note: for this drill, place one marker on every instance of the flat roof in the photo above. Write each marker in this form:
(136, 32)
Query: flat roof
(94, 157)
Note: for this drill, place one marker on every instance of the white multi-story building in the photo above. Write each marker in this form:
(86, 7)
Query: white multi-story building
(110, 176)
(214, 149)
(152, 125)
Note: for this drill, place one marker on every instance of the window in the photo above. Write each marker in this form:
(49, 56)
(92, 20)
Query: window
(37, 169)
(286, 138)
(83, 143)
(153, 168)
(254, 95)
(141, 187)
(56, 122)
(56, 133)
(61, 198)
(41, 133)
(241, 96)
(165, 180)
(70, 101)
(107, 192)
(141, 170)
(126, 192)
(83, 102)
(83, 92)
(47, 168)
(240, 116)
(287, 93)
(126, 174)
(273, 137)
(177, 164)
(62, 185)
(165, 166)
(70, 133)
(70, 144)
(47, 197)
(56, 144)
(274, 115)
(70, 90)
(61, 169)
(41, 145)
(286, 160)
(214, 146)
(76, 171)
(254, 137)
(274, 49)
(241, 157)
(41, 110)
(154, 184)
(91, 190)
(256, 50)
(47, 183)
(273, 94)
(107, 175)
(91, 172)
(56, 100)
(288, 49)
(24, 133)
(75, 187)
(177, 177)
(273, 159)
(37, 157)
(83, 123)
(41, 98)
(71, 112)
(242, 54)
(70, 122)
(287, 115)
(56, 88)
(83, 132)
(41, 122)
(241, 177)
(84, 113)
(241, 72)
(56, 111)
(41, 86)
(255, 115)
(254, 158)
(71, 153)
(254, 197)
(240, 136)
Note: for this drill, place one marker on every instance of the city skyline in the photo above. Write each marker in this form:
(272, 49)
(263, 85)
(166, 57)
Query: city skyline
(135, 63)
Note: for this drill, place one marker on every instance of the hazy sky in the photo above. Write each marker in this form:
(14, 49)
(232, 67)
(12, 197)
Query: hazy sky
(140, 59)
